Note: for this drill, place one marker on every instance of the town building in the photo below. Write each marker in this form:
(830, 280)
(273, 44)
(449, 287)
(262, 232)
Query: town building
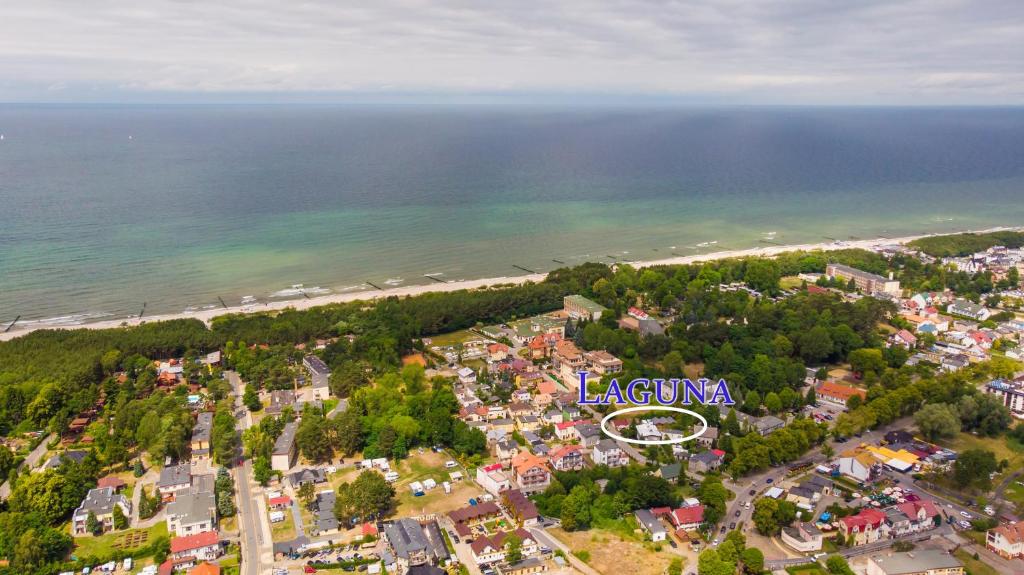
(1007, 540)
(520, 507)
(530, 472)
(203, 546)
(284, 454)
(101, 502)
(867, 526)
(651, 524)
(173, 479)
(912, 517)
(320, 376)
(413, 544)
(607, 452)
(579, 307)
(493, 479)
(802, 537)
(567, 458)
(916, 562)
(837, 394)
(201, 432)
(969, 309)
(706, 461)
(1011, 392)
(192, 511)
(866, 282)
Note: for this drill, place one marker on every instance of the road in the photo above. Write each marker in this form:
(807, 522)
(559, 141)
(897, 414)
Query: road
(253, 525)
(760, 481)
(30, 462)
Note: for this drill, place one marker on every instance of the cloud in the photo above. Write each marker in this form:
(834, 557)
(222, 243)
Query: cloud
(771, 51)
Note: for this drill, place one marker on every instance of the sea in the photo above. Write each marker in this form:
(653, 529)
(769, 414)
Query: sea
(106, 210)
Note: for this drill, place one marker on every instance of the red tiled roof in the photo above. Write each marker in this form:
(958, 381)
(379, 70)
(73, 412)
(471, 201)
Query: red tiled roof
(866, 517)
(205, 569)
(197, 541)
(369, 529)
(687, 515)
(840, 391)
(280, 500)
(563, 451)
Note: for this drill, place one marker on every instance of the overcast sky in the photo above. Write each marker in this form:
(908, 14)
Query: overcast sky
(731, 51)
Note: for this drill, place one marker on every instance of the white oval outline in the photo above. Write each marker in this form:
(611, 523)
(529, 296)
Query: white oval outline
(654, 441)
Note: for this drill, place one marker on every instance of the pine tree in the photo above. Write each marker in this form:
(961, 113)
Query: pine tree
(120, 520)
(93, 525)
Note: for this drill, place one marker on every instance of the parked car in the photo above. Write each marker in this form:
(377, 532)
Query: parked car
(738, 512)
(732, 525)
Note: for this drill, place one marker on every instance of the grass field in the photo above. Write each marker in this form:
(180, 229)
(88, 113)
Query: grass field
(454, 338)
(283, 530)
(974, 566)
(121, 540)
(612, 554)
(1014, 453)
(430, 465)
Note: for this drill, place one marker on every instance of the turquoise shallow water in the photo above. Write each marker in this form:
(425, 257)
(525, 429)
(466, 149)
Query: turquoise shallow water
(104, 208)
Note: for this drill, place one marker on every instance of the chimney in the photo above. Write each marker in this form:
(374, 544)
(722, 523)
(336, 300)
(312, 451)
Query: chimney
(890, 276)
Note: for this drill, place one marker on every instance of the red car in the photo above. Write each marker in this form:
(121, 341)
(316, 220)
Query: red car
(308, 569)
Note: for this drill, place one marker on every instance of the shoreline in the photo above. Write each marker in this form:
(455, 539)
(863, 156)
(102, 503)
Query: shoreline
(207, 315)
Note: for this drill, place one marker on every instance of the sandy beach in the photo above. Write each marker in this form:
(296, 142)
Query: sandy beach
(207, 315)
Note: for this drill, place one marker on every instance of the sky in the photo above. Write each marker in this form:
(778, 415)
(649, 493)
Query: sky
(828, 52)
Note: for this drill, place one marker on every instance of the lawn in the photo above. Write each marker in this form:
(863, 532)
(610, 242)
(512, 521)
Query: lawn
(454, 338)
(1015, 492)
(999, 446)
(283, 530)
(610, 553)
(120, 540)
(974, 566)
(430, 465)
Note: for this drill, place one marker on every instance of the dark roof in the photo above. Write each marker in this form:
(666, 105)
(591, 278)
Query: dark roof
(520, 505)
(286, 440)
(316, 365)
(406, 537)
(473, 511)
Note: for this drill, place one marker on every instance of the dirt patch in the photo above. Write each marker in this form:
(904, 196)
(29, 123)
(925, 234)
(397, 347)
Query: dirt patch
(611, 554)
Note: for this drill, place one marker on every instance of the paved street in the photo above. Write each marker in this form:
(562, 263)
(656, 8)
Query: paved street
(253, 523)
(30, 462)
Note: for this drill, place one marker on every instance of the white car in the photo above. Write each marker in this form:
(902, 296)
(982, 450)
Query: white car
(965, 514)
(450, 464)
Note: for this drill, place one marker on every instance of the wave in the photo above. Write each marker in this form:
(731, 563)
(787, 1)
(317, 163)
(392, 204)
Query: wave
(393, 281)
(298, 289)
(65, 320)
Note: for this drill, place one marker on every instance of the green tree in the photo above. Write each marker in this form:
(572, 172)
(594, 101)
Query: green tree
(262, 471)
(772, 402)
(867, 360)
(513, 549)
(753, 561)
(120, 520)
(973, 467)
(307, 494)
(937, 421)
(92, 524)
(251, 398)
(367, 497)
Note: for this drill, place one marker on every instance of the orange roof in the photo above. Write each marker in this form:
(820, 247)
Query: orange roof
(526, 460)
(837, 390)
(537, 343)
(1012, 532)
(205, 569)
(546, 386)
